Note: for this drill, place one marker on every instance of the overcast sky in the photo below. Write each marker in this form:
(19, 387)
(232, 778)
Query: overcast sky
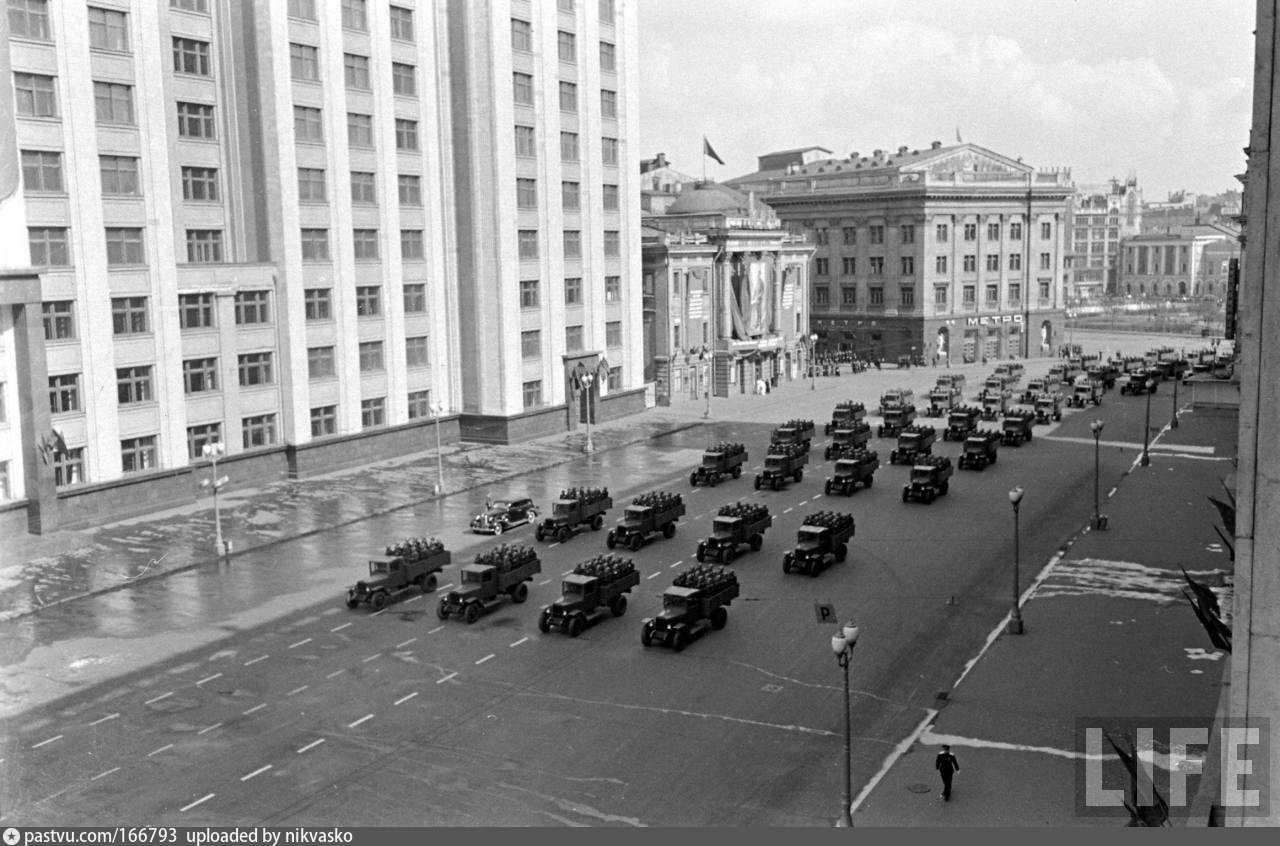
(1158, 88)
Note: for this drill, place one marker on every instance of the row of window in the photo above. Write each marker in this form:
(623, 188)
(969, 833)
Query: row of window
(523, 95)
(315, 244)
(907, 295)
(312, 187)
(907, 264)
(50, 246)
(304, 66)
(308, 128)
(566, 45)
(942, 233)
(530, 293)
(526, 146)
(531, 339)
(527, 243)
(570, 195)
(42, 174)
(355, 16)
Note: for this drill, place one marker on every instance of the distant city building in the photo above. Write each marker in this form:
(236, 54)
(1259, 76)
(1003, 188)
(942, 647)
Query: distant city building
(660, 184)
(1184, 208)
(725, 294)
(1188, 262)
(1100, 216)
(955, 251)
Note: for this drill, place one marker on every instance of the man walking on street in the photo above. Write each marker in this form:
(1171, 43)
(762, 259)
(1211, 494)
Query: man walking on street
(947, 765)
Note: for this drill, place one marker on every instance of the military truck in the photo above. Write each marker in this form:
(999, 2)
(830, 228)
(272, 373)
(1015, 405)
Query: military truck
(993, 384)
(782, 463)
(655, 511)
(1084, 392)
(823, 539)
(913, 441)
(576, 509)
(961, 421)
(697, 600)
(1048, 407)
(1104, 375)
(995, 404)
(594, 590)
(896, 398)
(843, 414)
(496, 573)
(736, 524)
(793, 432)
(856, 436)
(895, 420)
(1016, 428)
(981, 448)
(1136, 383)
(413, 562)
(1011, 371)
(930, 479)
(941, 400)
(1043, 385)
(954, 381)
(852, 468)
(718, 461)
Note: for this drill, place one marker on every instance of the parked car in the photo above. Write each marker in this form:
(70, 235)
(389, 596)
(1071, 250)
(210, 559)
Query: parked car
(502, 514)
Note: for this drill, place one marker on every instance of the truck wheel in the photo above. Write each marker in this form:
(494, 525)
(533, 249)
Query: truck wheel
(544, 621)
(539, 533)
(563, 534)
(429, 583)
(471, 613)
(946, 434)
(713, 480)
(799, 476)
(866, 482)
(693, 480)
(669, 531)
(618, 605)
(636, 543)
(826, 487)
(520, 593)
(378, 601)
(930, 497)
(729, 554)
(576, 625)
(879, 431)
(842, 552)
(701, 554)
(757, 483)
(352, 602)
(893, 456)
(994, 456)
(597, 522)
(756, 542)
(737, 471)
(786, 562)
(719, 618)
(906, 495)
(942, 490)
(442, 610)
(776, 483)
(1028, 436)
(680, 640)
(646, 635)
(609, 540)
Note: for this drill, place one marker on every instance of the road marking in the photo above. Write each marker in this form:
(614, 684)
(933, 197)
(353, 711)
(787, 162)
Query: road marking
(253, 709)
(404, 699)
(371, 657)
(377, 613)
(199, 801)
(695, 490)
(335, 673)
(366, 718)
(443, 588)
(107, 773)
(104, 719)
(566, 572)
(446, 678)
(210, 678)
(787, 510)
(302, 642)
(436, 629)
(1112, 493)
(402, 644)
(339, 628)
(673, 566)
(161, 749)
(209, 728)
(415, 596)
(158, 698)
(312, 745)
(518, 642)
(485, 658)
(554, 545)
(256, 660)
(297, 690)
(46, 742)
(257, 772)
(655, 575)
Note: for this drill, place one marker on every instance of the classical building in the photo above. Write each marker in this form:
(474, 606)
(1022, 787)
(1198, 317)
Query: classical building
(1099, 216)
(955, 251)
(1189, 261)
(725, 302)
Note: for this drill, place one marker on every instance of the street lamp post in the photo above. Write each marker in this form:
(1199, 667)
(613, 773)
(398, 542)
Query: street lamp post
(1173, 423)
(438, 410)
(214, 451)
(1150, 385)
(1015, 621)
(842, 644)
(1099, 522)
(587, 380)
(813, 367)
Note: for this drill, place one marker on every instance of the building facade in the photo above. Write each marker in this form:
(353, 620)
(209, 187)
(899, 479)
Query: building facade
(1100, 216)
(1188, 262)
(957, 252)
(728, 307)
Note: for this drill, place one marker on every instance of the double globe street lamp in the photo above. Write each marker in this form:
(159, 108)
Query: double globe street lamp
(813, 366)
(1015, 620)
(212, 452)
(842, 644)
(437, 411)
(1150, 386)
(1099, 521)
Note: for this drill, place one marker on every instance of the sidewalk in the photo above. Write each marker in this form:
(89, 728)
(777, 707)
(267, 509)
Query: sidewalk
(1108, 635)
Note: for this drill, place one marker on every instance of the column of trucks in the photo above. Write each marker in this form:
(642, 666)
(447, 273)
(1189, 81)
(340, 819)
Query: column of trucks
(738, 524)
(576, 509)
(648, 513)
(823, 539)
(697, 600)
(594, 590)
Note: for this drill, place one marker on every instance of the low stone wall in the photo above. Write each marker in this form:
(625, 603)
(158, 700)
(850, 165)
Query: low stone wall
(340, 453)
(495, 429)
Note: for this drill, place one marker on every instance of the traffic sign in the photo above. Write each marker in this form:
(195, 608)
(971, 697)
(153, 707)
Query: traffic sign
(825, 612)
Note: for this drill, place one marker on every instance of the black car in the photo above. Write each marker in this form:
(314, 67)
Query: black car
(504, 514)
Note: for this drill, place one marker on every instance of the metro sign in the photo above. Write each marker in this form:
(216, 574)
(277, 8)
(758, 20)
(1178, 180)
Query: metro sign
(994, 319)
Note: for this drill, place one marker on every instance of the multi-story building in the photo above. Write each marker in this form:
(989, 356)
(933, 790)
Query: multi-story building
(1188, 261)
(1099, 217)
(311, 230)
(728, 304)
(951, 251)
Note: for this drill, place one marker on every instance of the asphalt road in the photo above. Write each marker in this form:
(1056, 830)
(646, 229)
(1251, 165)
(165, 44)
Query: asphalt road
(250, 694)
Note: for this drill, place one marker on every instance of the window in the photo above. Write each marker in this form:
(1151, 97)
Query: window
(570, 196)
(821, 236)
(355, 15)
(848, 295)
(417, 351)
(528, 243)
(567, 46)
(613, 333)
(1015, 293)
(412, 245)
(1044, 289)
(324, 421)
(311, 185)
(941, 233)
(108, 29)
(526, 193)
(993, 261)
(993, 295)
(419, 404)
(615, 374)
(971, 231)
(908, 265)
(875, 295)
(129, 316)
(406, 134)
(526, 142)
(64, 393)
(1046, 231)
(877, 233)
(675, 338)
(59, 320)
(373, 412)
(612, 243)
(42, 172)
(253, 307)
(565, 5)
(568, 97)
(138, 454)
(29, 19)
(940, 264)
(304, 9)
(415, 298)
(199, 183)
(191, 56)
(877, 265)
(308, 125)
(608, 57)
(363, 188)
(113, 103)
(1015, 231)
(822, 296)
(531, 343)
(359, 130)
(608, 103)
(907, 296)
(970, 264)
(609, 151)
(1046, 261)
(969, 295)
(371, 360)
(572, 244)
(1015, 261)
(907, 233)
(198, 436)
(521, 35)
(315, 245)
(199, 375)
(133, 384)
(940, 296)
(195, 311)
(993, 232)
(569, 151)
(190, 5)
(255, 369)
(204, 246)
(365, 244)
(368, 301)
(572, 290)
(404, 79)
(48, 246)
(119, 175)
(355, 71)
(195, 120)
(124, 246)
(849, 234)
(258, 431)
(317, 304)
(606, 11)
(533, 393)
(522, 89)
(68, 467)
(34, 95)
(402, 23)
(820, 266)
(609, 196)
(612, 289)
(848, 266)
(528, 293)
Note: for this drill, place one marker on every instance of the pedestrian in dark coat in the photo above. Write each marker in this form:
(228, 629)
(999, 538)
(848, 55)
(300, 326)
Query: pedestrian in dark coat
(947, 765)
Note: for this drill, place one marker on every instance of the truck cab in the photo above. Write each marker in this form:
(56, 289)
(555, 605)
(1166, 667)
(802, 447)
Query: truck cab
(479, 580)
(578, 591)
(896, 398)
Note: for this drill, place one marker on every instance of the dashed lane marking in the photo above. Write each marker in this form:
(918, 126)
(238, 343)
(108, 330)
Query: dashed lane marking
(1112, 493)
(485, 658)
(544, 582)
(105, 774)
(258, 707)
(335, 674)
(404, 699)
(446, 678)
(372, 657)
(156, 699)
(366, 718)
(209, 679)
(436, 629)
(104, 719)
(298, 690)
(554, 545)
(415, 596)
(259, 771)
(787, 510)
(402, 644)
(378, 613)
(199, 801)
(518, 642)
(443, 588)
(161, 749)
(566, 572)
(312, 745)
(654, 575)
(208, 729)
(339, 628)
(253, 661)
(302, 642)
(47, 742)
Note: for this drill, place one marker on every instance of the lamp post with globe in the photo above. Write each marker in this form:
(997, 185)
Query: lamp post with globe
(214, 451)
(1015, 621)
(842, 644)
